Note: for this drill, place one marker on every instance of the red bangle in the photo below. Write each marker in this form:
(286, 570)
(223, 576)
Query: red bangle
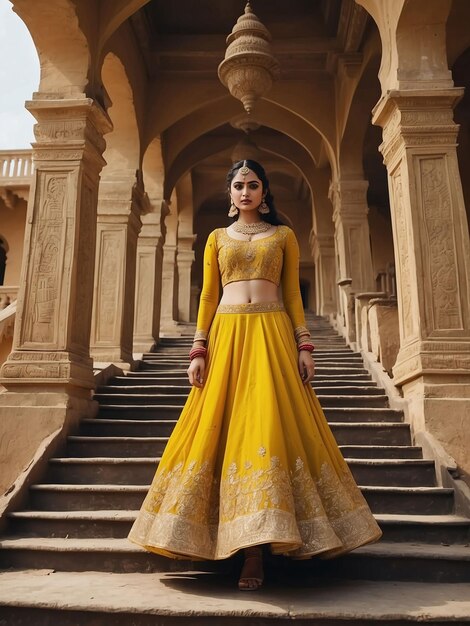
(195, 352)
(309, 347)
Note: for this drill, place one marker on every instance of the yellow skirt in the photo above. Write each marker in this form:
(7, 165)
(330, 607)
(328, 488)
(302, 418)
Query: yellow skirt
(252, 459)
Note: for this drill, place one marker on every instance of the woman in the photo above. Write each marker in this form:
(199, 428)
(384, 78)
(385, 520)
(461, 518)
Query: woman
(252, 460)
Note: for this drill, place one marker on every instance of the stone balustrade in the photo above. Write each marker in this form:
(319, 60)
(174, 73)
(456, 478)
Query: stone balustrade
(377, 327)
(16, 167)
(8, 295)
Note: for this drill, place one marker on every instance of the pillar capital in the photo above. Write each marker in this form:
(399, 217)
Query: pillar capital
(349, 199)
(416, 119)
(69, 130)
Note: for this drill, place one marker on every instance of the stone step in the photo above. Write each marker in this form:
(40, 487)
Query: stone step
(140, 471)
(125, 447)
(331, 367)
(381, 452)
(178, 374)
(198, 598)
(181, 382)
(116, 447)
(92, 497)
(360, 433)
(132, 397)
(411, 500)
(172, 411)
(435, 529)
(384, 560)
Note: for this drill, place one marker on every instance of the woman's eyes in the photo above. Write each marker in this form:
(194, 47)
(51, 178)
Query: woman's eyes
(251, 186)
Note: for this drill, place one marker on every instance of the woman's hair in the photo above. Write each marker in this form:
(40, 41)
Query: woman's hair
(254, 166)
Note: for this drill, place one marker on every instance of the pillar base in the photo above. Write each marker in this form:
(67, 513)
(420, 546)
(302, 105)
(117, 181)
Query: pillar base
(28, 417)
(25, 368)
(440, 406)
(121, 359)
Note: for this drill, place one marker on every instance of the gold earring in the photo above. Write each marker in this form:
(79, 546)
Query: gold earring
(263, 208)
(233, 212)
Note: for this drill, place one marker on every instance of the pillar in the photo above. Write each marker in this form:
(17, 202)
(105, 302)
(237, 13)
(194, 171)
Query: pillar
(184, 260)
(323, 252)
(49, 374)
(352, 243)
(148, 293)
(432, 253)
(119, 224)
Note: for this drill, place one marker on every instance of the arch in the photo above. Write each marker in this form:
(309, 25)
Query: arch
(461, 76)
(366, 95)
(122, 143)
(153, 170)
(413, 34)
(62, 46)
(3, 258)
(268, 113)
(271, 115)
(113, 13)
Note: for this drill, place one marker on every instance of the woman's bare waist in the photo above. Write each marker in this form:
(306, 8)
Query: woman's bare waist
(250, 291)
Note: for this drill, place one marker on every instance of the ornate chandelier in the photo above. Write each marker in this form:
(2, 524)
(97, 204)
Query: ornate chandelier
(249, 67)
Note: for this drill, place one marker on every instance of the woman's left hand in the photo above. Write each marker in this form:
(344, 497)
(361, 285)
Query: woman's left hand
(306, 366)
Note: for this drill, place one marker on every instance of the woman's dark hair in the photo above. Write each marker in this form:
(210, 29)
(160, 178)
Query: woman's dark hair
(254, 166)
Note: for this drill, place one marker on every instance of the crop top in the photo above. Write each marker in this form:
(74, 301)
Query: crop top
(274, 258)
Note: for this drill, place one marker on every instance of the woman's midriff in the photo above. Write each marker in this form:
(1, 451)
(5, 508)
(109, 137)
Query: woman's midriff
(249, 291)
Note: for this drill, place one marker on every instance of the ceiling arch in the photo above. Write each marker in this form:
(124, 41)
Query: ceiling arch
(62, 46)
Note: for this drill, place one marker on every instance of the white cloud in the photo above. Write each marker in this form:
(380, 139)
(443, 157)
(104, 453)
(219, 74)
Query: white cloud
(19, 78)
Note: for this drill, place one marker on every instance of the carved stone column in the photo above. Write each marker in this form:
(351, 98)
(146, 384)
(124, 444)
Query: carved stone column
(169, 312)
(148, 294)
(49, 373)
(323, 252)
(185, 259)
(119, 224)
(352, 243)
(432, 253)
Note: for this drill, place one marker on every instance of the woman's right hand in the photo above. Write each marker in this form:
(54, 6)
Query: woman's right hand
(196, 371)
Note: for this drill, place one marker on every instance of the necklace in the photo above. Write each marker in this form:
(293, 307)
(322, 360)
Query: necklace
(251, 229)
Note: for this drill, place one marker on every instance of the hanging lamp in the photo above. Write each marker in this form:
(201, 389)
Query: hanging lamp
(249, 68)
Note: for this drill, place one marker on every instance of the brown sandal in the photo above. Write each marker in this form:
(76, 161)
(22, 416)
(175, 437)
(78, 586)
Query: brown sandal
(247, 582)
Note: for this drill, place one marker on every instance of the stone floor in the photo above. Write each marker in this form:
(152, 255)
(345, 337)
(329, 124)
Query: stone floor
(199, 594)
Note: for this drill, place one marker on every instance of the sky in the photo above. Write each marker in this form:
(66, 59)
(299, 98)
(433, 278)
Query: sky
(19, 78)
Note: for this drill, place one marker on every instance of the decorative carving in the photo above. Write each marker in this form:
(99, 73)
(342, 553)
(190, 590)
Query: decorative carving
(85, 269)
(109, 282)
(45, 268)
(441, 259)
(403, 260)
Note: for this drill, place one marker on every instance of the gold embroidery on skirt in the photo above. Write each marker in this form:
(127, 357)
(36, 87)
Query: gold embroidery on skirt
(251, 307)
(292, 511)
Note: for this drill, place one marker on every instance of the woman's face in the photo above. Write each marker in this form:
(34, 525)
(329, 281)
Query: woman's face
(246, 191)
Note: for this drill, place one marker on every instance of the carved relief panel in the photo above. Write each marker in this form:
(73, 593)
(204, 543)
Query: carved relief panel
(439, 253)
(50, 265)
(406, 272)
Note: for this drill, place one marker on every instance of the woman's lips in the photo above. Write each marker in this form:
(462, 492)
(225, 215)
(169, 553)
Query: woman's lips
(246, 201)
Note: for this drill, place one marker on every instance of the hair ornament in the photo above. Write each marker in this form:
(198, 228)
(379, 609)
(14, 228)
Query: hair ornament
(244, 170)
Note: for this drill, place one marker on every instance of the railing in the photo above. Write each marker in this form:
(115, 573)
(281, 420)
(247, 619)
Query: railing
(7, 296)
(16, 167)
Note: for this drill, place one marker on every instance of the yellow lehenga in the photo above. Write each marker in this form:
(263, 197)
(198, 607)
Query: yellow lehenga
(252, 459)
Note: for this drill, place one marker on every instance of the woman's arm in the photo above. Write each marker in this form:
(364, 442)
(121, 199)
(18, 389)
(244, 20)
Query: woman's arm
(294, 306)
(290, 281)
(210, 289)
(207, 307)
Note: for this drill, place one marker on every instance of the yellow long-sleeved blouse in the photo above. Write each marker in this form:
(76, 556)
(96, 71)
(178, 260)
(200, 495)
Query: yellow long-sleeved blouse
(274, 258)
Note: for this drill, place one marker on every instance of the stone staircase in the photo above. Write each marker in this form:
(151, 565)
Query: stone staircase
(78, 517)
